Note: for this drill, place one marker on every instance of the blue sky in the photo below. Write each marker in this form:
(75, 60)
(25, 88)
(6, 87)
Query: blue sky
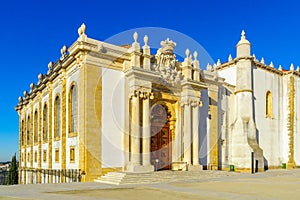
(32, 33)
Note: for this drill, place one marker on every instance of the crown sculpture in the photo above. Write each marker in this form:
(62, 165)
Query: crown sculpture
(166, 63)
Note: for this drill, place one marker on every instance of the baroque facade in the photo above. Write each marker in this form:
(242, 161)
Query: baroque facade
(103, 108)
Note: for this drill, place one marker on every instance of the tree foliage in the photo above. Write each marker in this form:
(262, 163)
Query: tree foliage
(12, 177)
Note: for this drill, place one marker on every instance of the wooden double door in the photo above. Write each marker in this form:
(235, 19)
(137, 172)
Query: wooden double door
(161, 147)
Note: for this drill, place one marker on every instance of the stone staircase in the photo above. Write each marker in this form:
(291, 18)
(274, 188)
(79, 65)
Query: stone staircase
(126, 178)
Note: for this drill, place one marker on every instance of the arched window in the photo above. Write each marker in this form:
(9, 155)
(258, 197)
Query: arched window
(45, 123)
(57, 110)
(73, 109)
(22, 132)
(269, 106)
(36, 126)
(28, 131)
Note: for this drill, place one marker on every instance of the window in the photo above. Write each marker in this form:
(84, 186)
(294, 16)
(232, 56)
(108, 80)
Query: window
(28, 157)
(36, 126)
(28, 130)
(56, 155)
(73, 110)
(35, 156)
(45, 123)
(72, 154)
(57, 117)
(269, 105)
(44, 155)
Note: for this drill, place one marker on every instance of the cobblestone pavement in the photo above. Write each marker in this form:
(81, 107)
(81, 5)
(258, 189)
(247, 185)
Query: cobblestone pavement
(274, 184)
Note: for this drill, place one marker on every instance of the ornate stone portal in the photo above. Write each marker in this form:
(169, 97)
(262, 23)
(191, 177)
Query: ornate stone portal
(174, 119)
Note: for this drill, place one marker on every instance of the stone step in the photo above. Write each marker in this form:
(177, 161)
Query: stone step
(118, 178)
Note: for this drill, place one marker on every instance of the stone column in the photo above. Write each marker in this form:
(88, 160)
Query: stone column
(135, 130)
(176, 144)
(187, 131)
(195, 134)
(146, 132)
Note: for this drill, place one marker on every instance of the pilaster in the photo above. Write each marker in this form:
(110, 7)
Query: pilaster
(31, 140)
(50, 133)
(40, 138)
(20, 145)
(291, 123)
(25, 146)
(82, 115)
(187, 130)
(63, 124)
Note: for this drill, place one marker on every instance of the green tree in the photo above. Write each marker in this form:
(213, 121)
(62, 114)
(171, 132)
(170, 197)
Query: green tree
(12, 177)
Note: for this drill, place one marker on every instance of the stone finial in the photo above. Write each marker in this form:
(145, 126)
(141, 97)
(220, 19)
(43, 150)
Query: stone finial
(63, 52)
(146, 40)
(195, 55)
(187, 53)
(81, 30)
(25, 93)
(196, 61)
(271, 64)
(298, 69)
(40, 77)
(50, 65)
(243, 35)
(243, 47)
(218, 62)
(190, 58)
(254, 57)
(20, 99)
(262, 60)
(229, 58)
(208, 67)
(280, 68)
(31, 85)
(135, 36)
(135, 47)
(292, 67)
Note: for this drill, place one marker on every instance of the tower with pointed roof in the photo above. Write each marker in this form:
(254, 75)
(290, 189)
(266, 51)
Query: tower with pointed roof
(244, 139)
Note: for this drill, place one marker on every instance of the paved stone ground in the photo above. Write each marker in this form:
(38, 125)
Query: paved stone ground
(274, 184)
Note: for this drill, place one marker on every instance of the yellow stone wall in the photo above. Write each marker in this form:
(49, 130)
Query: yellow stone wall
(291, 123)
(213, 127)
(90, 121)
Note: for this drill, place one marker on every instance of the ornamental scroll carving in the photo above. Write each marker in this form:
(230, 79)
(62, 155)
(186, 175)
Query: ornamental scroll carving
(166, 63)
(141, 93)
(193, 101)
